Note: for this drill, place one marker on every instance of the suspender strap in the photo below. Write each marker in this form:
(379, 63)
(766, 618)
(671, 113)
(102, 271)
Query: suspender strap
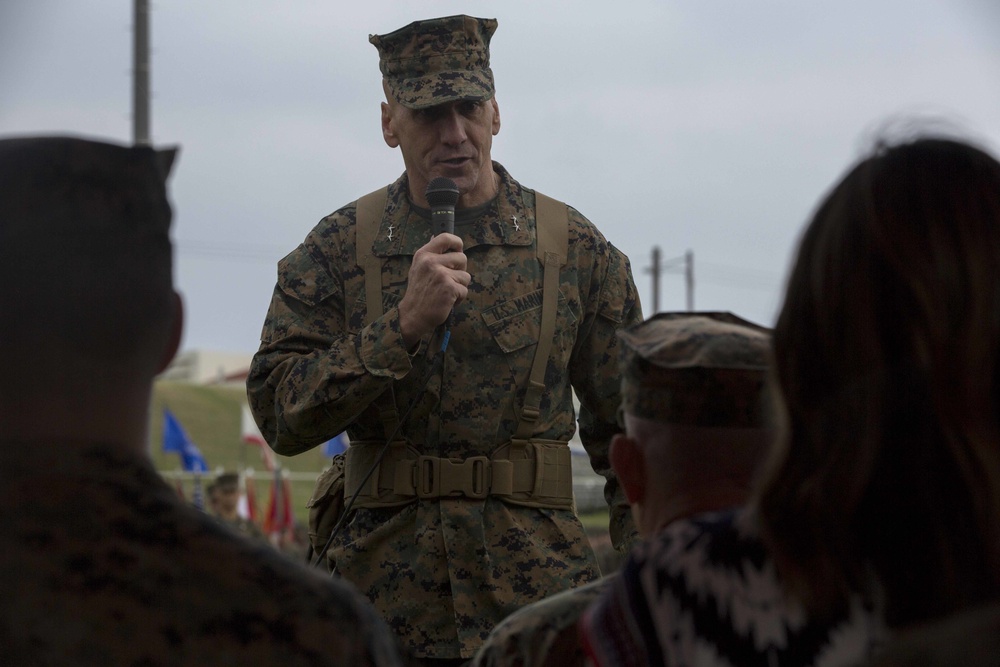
(368, 218)
(367, 221)
(552, 243)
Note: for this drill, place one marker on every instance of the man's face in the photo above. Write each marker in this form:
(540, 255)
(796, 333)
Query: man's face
(451, 140)
(227, 500)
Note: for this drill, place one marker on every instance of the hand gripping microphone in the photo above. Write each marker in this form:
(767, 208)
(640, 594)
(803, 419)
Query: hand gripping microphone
(442, 195)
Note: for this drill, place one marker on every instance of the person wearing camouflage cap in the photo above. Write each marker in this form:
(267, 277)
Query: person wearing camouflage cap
(223, 501)
(101, 563)
(697, 404)
(469, 514)
(694, 403)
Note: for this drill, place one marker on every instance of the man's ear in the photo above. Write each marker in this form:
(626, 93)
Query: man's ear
(388, 134)
(496, 116)
(176, 329)
(629, 463)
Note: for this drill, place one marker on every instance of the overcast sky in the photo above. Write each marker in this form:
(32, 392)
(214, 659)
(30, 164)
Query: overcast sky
(699, 125)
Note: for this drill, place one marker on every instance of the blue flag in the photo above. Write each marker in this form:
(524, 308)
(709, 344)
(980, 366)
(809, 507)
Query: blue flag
(176, 440)
(335, 445)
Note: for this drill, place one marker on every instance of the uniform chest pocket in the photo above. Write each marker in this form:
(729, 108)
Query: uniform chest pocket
(516, 323)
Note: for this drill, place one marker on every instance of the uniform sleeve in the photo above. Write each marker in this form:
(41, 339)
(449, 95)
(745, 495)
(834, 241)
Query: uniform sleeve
(313, 375)
(616, 630)
(613, 304)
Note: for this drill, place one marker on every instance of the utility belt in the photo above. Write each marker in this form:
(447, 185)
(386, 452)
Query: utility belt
(534, 473)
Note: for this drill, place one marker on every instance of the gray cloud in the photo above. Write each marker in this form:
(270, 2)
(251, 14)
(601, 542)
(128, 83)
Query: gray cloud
(711, 126)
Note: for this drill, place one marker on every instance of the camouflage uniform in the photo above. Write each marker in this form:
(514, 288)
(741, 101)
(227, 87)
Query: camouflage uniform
(543, 633)
(102, 564)
(443, 572)
(705, 369)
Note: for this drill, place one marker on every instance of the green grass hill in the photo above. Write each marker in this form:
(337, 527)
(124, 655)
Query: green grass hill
(211, 418)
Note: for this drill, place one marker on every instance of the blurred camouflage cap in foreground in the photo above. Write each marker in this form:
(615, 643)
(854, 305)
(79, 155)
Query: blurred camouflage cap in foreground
(437, 61)
(696, 369)
(85, 252)
(64, 185)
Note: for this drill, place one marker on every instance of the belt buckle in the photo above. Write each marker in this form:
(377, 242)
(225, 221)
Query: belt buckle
(478, 486)
(428, 477)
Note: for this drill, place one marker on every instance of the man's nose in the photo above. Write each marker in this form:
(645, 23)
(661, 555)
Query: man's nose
(452, 127)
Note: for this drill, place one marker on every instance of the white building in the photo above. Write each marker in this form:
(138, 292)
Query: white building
(207, 367)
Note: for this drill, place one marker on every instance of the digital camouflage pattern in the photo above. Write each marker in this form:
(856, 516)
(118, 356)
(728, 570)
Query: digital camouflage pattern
(437, 61)
(698, 369)
(443, 572)
(244, 526)
(101, 563)
(543, 633)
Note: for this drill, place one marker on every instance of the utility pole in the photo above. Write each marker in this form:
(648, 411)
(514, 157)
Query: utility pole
(657, 266)
(140, 73)
(689, 278)
(655, 270)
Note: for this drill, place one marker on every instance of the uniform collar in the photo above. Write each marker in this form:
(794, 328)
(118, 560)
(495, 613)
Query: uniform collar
(507, 222)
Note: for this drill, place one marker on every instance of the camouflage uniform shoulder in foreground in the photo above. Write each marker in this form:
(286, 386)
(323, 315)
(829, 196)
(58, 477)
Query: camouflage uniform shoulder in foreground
(542, 633)
(102, 564)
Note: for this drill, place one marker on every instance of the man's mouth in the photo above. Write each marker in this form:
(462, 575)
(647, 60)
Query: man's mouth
(455, 161)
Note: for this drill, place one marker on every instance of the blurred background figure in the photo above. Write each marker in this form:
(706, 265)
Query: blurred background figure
(224, 499)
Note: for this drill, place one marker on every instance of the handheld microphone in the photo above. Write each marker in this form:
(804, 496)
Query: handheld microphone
(442, 195)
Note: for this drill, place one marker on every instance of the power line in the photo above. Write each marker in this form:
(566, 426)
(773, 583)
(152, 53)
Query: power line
(711, 272)
(242, 252)
(738, 276)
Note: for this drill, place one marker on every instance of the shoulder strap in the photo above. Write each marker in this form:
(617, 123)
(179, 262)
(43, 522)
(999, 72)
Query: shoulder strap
(552, 245)
(368, 218)
(551, 227)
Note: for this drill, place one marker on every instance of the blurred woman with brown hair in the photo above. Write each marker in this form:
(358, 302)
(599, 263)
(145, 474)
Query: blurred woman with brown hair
(887, 353)
(881, 504)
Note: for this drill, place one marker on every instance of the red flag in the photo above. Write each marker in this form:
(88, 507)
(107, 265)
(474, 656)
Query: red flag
(279, 521)
(273, 515)
(286, 487)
